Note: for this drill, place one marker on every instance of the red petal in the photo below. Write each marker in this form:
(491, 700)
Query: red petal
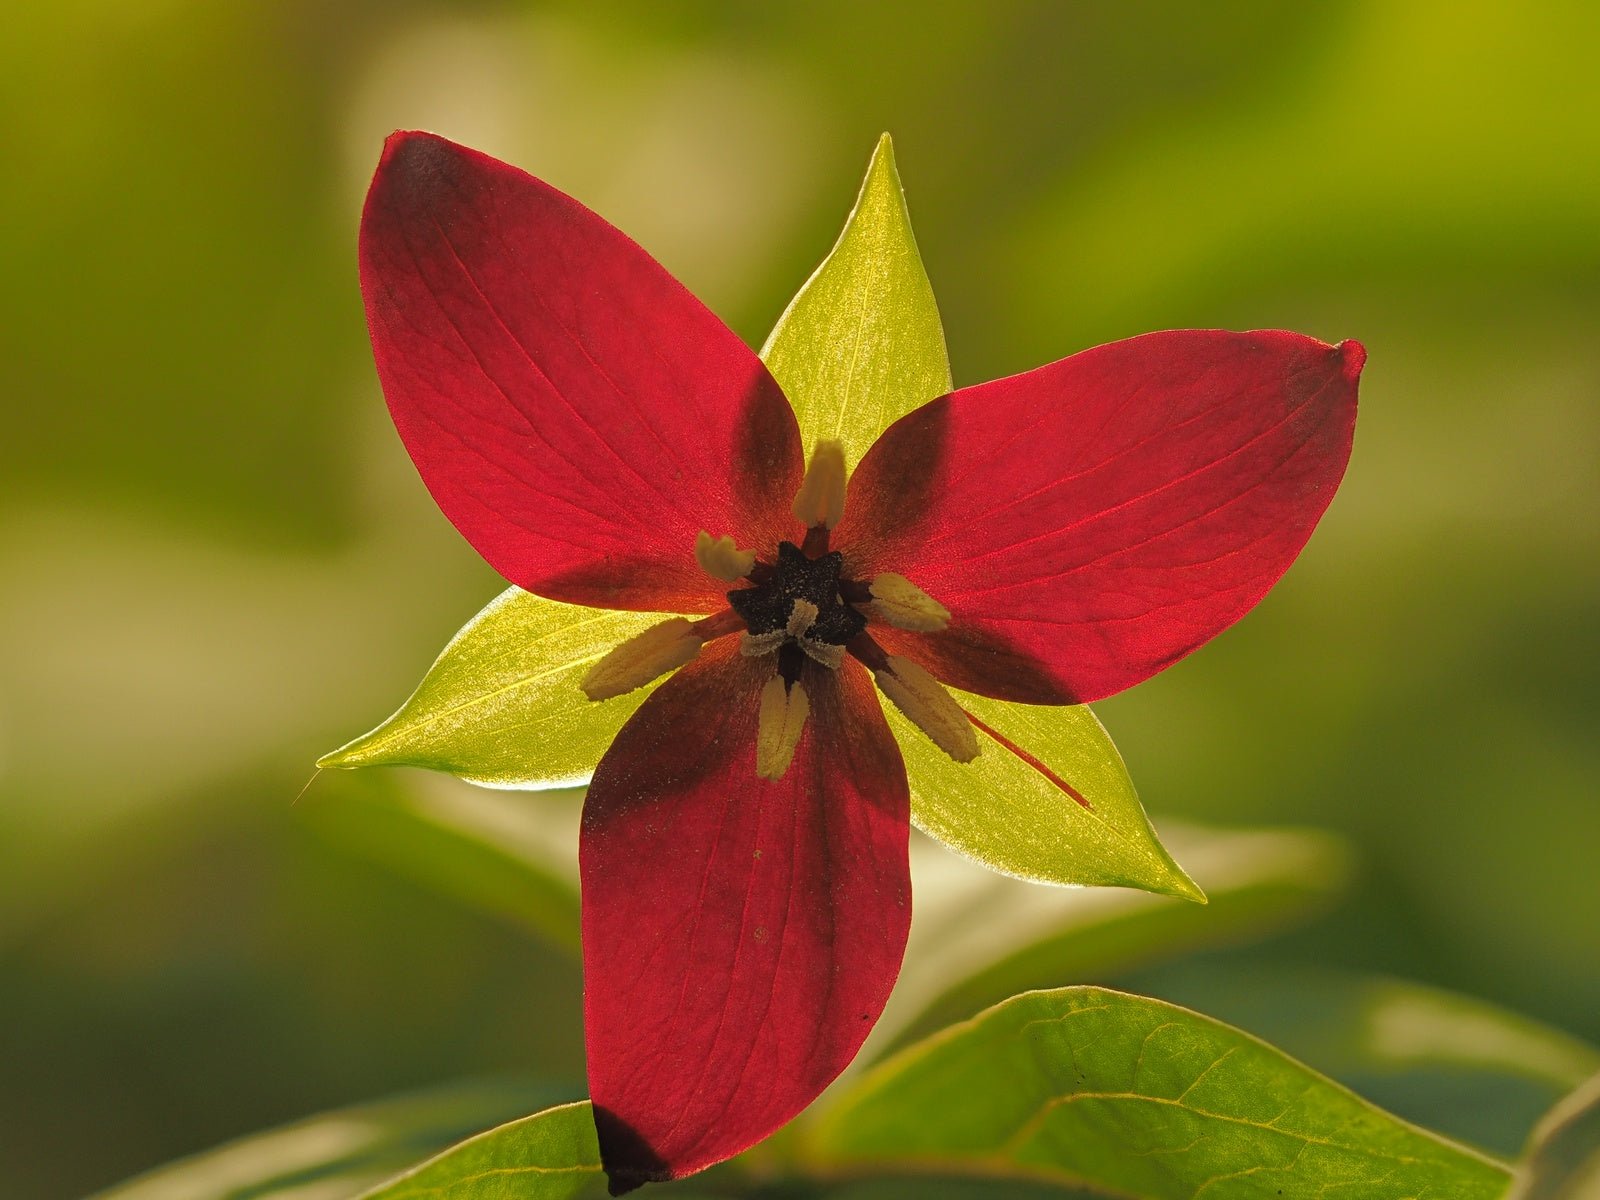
(573, 409)
(1093, 521)
(740, 935)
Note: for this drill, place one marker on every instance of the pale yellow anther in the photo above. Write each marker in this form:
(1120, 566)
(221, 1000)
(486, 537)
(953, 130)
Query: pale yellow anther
(721, 559)
(820, 500)
(929, 707)
(826, 653)
(802, 616)
(641, 658)
(784, 709)
(754, 645)
(906, 606)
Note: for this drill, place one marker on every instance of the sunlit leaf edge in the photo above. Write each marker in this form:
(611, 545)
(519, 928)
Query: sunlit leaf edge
(570, 1126)
(825, 1144)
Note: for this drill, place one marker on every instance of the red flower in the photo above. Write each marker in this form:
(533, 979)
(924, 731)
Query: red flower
(602, 439)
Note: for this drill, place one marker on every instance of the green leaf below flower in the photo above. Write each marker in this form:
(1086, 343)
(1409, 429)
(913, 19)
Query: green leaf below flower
(1454, 1064)
(551, 1155)
(1139, 1097)
(1563, 1156)
(336, 1154)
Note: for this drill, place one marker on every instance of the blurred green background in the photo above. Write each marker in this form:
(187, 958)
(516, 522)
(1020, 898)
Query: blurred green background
(216, 561)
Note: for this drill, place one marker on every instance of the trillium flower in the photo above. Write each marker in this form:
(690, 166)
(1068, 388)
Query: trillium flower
(603, 440)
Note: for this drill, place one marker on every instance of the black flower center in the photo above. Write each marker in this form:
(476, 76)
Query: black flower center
(765, 607)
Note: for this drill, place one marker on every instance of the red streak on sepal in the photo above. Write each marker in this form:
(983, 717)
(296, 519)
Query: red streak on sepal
(1033, 762)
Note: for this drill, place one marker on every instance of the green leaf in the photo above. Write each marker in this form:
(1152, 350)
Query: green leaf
(339, 1153)
(501, 704)
(1456, 1064)
(980, 937)
(551, 1155)
(947, 1187)
(1141, 1097)
(861, 344)
(1003, 811)
(502, 853)
(1563, 1156)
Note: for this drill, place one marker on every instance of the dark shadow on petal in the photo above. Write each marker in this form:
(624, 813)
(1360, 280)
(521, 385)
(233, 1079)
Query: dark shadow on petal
(768, 461)
(649, 586)
(663, 746)
(895, 491)
(977, 660)
(628, 1159)
(847, 699)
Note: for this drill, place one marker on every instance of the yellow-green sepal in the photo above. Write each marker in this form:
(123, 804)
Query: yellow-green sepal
(1005, 812)
(501, 705)
(861, 344)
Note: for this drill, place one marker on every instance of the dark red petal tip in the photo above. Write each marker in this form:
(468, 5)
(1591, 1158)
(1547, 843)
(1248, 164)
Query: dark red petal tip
(576, 413)
(418, 171)
(1354, 358)
(416, 150)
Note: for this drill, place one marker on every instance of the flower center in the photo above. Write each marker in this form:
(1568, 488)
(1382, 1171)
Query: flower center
(799, 608)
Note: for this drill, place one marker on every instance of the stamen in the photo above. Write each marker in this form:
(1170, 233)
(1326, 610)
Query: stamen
(820, 500)
(784, 709)
(641, 658)
(802, 616)
(815, 543)
(721, 559)
(928, 706)
(825, 653)
(754, 645)
(906, 606)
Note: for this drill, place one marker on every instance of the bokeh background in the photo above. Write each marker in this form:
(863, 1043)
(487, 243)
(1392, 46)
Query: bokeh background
(216, 562)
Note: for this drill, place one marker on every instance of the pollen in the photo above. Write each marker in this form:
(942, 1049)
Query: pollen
(802, 616)
(826, 653)
(754, 645)
(904, 605)
(820, 500)
(784, 708)
(927, 705)
(643, 657)
(721, 559)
